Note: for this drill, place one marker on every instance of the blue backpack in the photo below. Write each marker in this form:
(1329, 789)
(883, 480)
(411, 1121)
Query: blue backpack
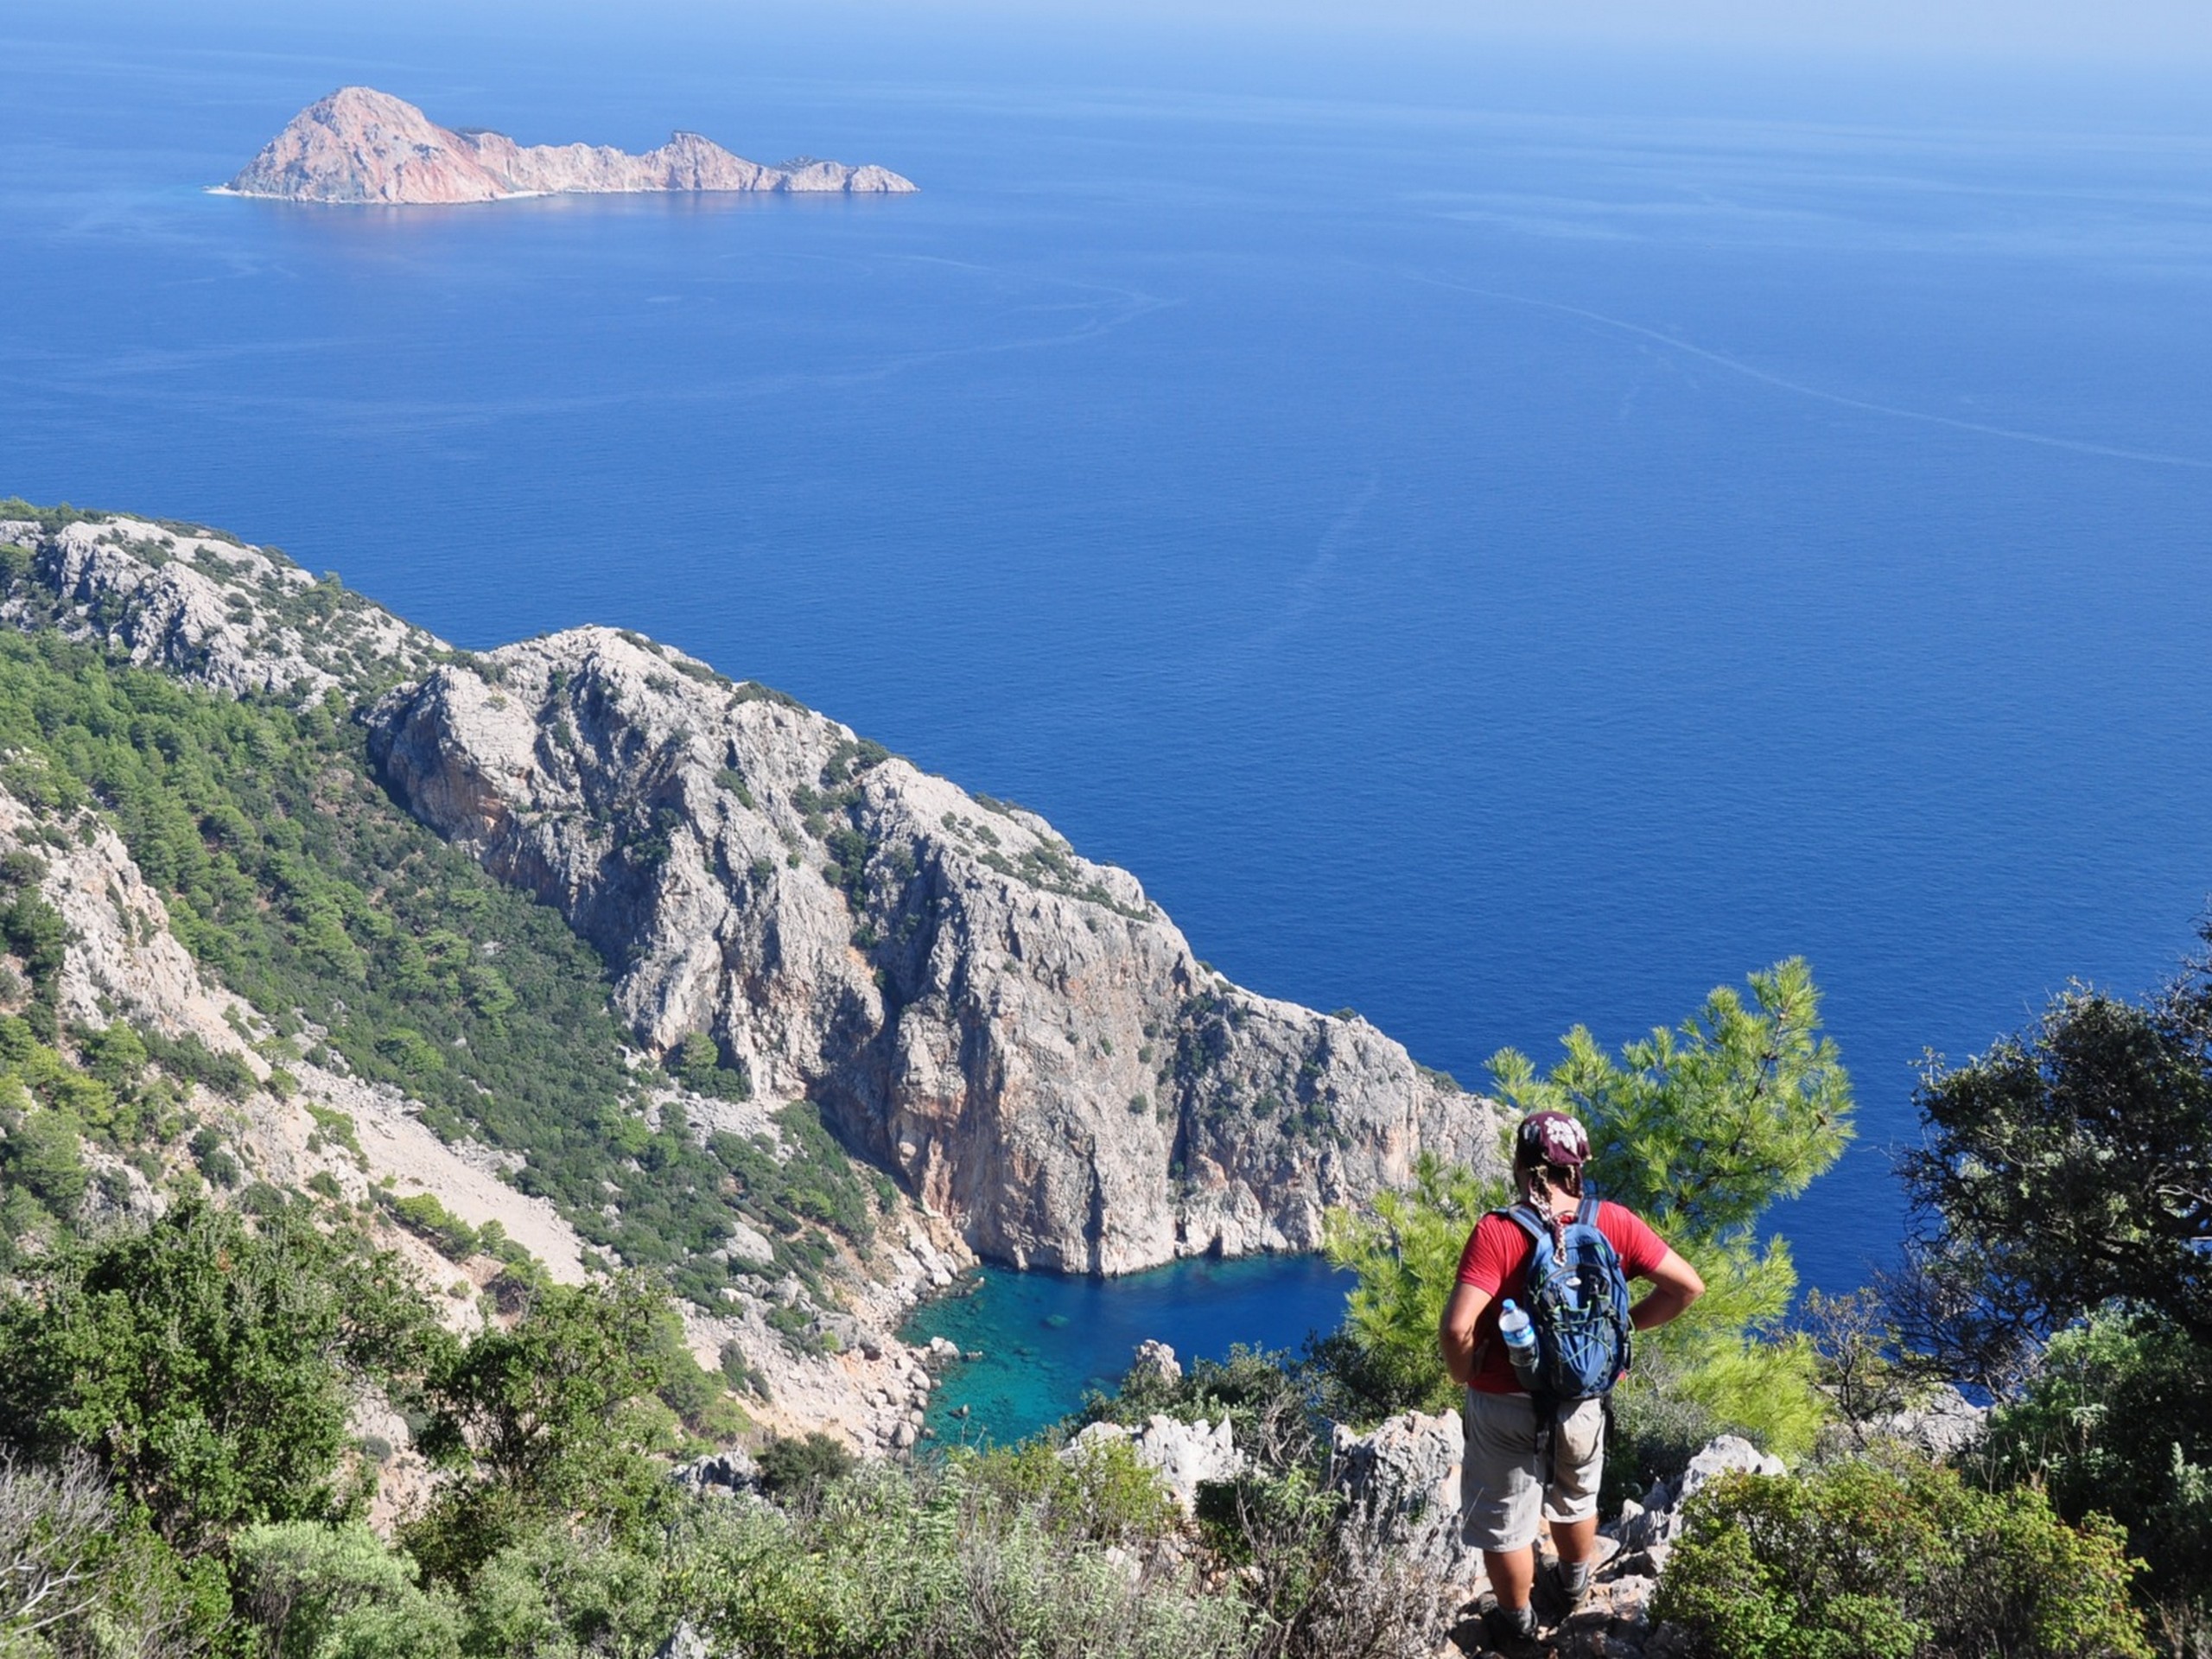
(1578, 1304)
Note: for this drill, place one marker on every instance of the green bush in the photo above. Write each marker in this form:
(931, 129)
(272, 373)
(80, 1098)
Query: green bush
(422, 1215)
(547, 1418)
(2118, 1419)
(42, 1156)
(791, 1463)
(337, 1593)
(891, 1563)
(558, 1594)
(214, 1161)
(205, 1364)
(1099, 1492)
(83, 1577)
(697, 1062)
(1861, 1560)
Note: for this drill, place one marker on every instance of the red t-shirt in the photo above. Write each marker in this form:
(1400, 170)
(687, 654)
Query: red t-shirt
(1496, 1260)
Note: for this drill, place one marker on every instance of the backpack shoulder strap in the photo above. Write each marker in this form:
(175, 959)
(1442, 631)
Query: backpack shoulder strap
(1587, 1215)
(1528, 1222)
(1540, 1237)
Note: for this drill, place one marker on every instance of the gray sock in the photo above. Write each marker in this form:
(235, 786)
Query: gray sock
(1575, 1577)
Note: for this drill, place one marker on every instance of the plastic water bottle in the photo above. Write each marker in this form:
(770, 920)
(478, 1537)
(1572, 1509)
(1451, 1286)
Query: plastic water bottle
(1519, 1337)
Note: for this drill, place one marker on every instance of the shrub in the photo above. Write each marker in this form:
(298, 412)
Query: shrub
(80, 1576)
(214, 1161)
(791, 1464)
(2064, 1169)
(1861, 1560)
(545, 1419)
(557, 1592)
(1099, 1492)
(2118, 1419)
(422, 1215)
(203, 1364)
(41, 1154)
(697, 1062)
(895, 1563)
(189, 1058)
(336, 1592)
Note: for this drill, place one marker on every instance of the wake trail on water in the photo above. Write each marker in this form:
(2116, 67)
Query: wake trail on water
(121, 377)
(1781, 383)
(1305, 587)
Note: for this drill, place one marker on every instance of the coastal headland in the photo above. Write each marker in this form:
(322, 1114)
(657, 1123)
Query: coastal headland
(822, 1029)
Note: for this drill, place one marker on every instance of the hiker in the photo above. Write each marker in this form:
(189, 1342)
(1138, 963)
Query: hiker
(1517, 1463)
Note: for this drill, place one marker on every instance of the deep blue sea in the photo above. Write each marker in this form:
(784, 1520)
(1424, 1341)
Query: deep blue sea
(1496, 549)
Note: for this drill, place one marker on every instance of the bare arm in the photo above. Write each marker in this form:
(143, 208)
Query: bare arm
(1455, 1332)
(1674, 1285)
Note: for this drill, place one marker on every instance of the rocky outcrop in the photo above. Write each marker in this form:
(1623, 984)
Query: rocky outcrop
(1404, 1474)
(728, 1473)
(1155, 1363)
(360, 145)
(233, 617)
(1656, 1524)
(1184, 1456)
(1020, 1034)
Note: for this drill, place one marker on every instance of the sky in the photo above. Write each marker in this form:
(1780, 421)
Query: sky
(2148, 33)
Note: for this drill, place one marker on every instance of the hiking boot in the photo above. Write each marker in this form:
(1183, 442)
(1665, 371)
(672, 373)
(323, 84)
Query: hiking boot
(1570, 1584)
(1509, 1634)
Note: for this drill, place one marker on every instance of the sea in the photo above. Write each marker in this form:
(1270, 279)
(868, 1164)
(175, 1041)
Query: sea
(1496, 538)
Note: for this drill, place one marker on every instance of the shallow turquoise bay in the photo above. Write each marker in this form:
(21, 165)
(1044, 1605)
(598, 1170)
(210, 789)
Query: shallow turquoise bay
(1046, 1340)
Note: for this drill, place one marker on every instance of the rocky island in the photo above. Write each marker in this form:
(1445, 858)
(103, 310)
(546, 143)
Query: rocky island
(361, 145)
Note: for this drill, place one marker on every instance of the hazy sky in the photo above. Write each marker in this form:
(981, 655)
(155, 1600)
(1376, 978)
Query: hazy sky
(2156, 32)
(2153, 30)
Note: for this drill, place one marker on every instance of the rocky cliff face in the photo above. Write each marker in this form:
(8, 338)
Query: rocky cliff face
(1018, 1033)
(207, 609)
(360, 145)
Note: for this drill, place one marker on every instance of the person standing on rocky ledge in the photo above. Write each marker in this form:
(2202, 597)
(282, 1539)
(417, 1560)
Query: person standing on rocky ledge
(1505, 1487)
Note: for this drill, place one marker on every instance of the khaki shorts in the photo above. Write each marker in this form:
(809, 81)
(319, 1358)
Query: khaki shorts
(1502, 1489)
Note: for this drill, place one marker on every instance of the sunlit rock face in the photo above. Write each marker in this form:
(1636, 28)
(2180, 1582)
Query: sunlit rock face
(360, 145)
(1018, 1033)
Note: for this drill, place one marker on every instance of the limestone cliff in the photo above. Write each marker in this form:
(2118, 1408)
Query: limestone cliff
(210, 609)
(1018, 1033)
(360, 145)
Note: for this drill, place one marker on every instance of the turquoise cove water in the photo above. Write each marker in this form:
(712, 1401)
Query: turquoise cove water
(1485, 546)
(1045, 1342)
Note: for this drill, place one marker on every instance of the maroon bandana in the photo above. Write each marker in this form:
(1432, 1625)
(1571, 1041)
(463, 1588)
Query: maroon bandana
(1551, 1138)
